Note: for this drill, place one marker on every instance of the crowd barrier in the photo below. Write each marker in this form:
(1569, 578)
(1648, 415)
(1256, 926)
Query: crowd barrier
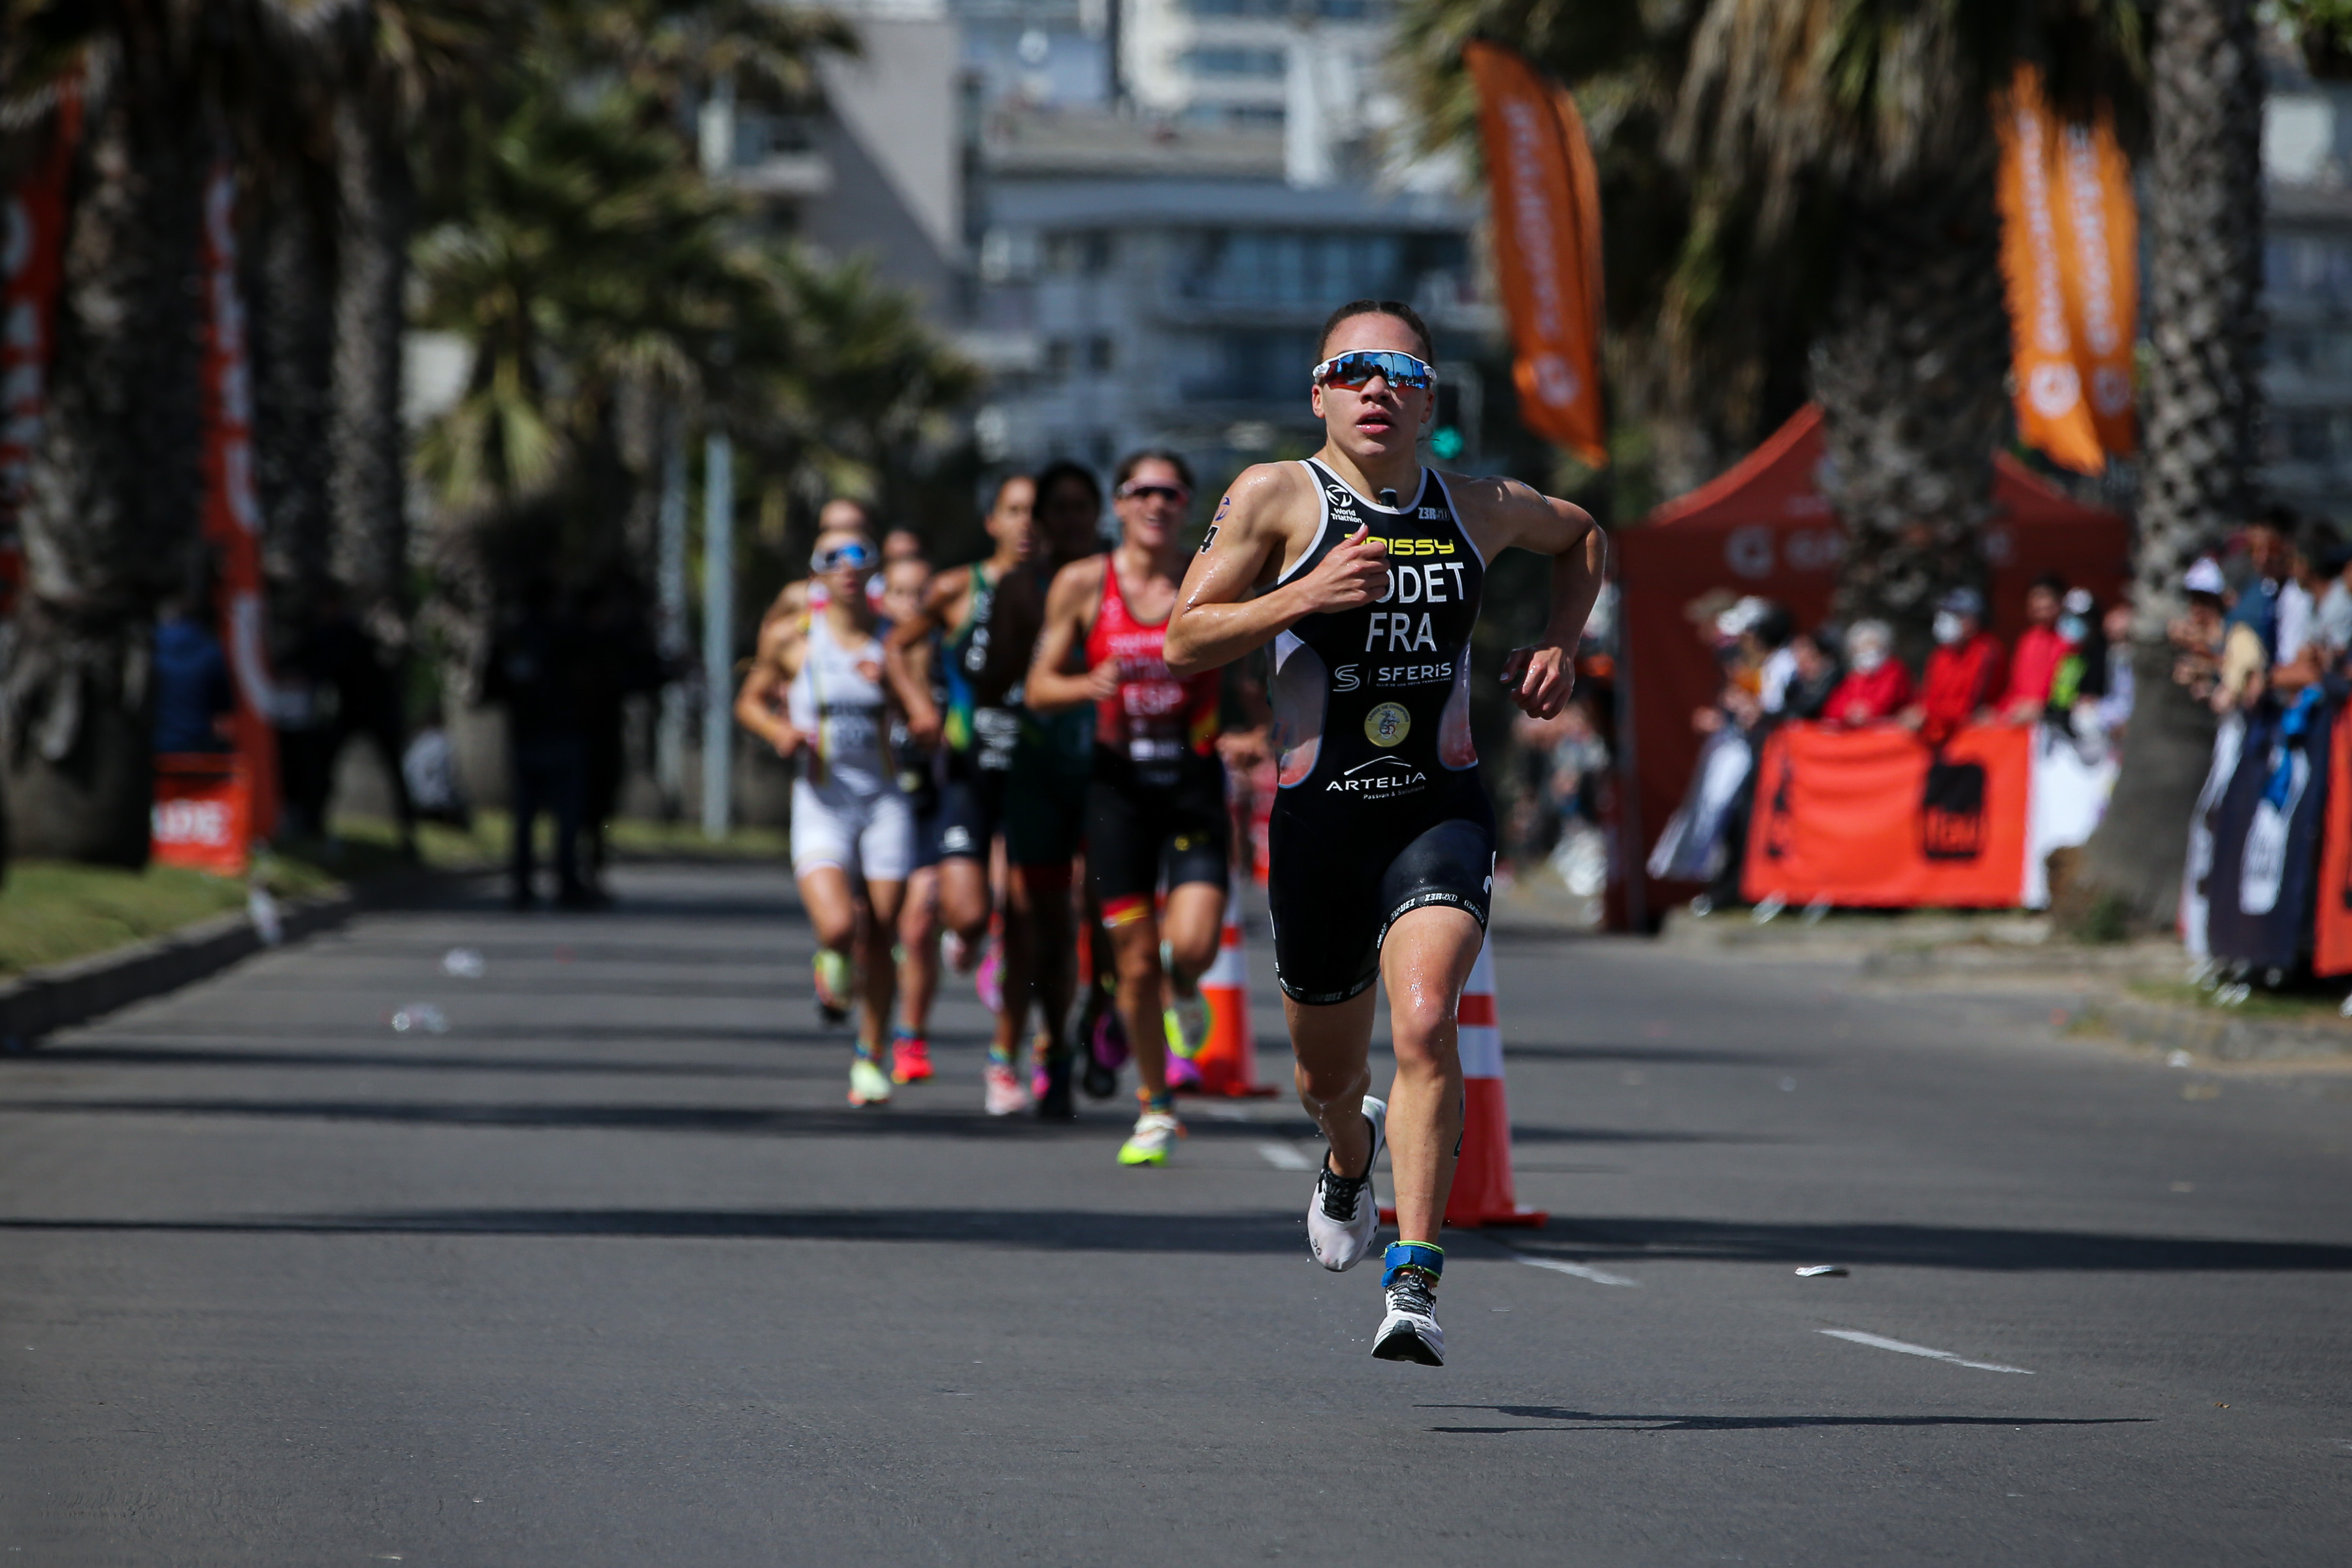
(1875, 818)
(2269, 877)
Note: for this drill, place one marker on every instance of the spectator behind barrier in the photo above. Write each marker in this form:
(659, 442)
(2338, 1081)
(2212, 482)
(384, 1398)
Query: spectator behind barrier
(2202, 632)
(2042, 648)
(1876, 686)
(1814, 656)
(2332, 619)
(1964, 673)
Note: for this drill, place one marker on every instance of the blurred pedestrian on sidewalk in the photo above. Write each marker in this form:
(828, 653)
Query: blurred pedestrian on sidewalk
(536, 670)
(193, 696)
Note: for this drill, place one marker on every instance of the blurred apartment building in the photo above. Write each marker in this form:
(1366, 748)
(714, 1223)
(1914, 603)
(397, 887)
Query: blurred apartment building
(1132, 214)
(2307, 294)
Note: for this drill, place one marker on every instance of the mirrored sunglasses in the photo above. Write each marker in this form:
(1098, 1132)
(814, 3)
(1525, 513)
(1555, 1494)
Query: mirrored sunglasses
(840, 555)
(1354, 369)
(1147, 492)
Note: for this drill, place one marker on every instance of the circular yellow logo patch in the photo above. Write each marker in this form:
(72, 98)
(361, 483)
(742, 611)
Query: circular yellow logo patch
(1387, 725)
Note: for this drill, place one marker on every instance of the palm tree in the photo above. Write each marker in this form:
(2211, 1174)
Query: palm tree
(2204, 225)
(1832, 168)
(396, 63)
(109, 520)
(1885, 112)
(1708, 329)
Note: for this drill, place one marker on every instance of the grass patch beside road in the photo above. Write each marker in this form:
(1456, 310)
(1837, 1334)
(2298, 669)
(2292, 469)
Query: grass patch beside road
(2288, 1004)
(51, 910)
(368, 843)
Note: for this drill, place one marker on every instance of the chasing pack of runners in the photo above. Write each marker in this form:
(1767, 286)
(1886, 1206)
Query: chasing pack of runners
(969, 744)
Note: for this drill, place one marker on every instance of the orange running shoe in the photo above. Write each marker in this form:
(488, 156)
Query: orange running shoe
(910, 1060)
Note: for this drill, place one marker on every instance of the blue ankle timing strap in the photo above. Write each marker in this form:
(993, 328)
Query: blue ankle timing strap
(1404, 1255)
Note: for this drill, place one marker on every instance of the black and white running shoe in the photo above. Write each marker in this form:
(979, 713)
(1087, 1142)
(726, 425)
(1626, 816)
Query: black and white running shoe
(1346, 1213)
(1410, 1331)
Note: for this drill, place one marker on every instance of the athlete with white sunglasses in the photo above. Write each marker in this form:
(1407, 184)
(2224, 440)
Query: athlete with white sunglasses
(1364, 570)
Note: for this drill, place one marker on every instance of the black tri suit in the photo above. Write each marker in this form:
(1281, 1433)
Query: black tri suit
(1380, 810)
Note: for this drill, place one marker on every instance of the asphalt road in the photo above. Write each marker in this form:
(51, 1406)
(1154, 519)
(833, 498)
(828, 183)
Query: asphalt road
(608, 1272)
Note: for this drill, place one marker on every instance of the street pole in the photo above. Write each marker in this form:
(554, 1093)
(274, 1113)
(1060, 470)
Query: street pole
(716, 145)
(718, 627)
(669, 733)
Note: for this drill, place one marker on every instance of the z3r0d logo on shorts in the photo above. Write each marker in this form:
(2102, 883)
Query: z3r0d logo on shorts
(1387, 724)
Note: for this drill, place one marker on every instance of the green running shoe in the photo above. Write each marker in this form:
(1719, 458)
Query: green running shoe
(868, 1084)
(833, 986)
(1155, 1134)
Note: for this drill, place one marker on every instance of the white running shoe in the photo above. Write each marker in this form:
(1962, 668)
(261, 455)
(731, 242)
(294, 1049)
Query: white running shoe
(1345, 1213)
(1410, 1331)
(868, 1084)
(1155, 1134)
(1006, 1097)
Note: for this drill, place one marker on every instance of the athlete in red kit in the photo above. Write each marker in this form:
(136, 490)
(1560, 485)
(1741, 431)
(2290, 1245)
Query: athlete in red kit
(1156, 808)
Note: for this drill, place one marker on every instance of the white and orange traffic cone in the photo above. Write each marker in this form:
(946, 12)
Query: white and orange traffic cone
(1483, 1192)
(1228, 1062)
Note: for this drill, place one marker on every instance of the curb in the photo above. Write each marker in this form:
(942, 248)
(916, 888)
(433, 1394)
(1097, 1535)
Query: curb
(2205, 1033)
(61, 995)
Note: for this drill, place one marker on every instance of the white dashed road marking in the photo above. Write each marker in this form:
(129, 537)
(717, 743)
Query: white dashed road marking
(1875, 1343)
(1598, 1276)
(1283, 1157)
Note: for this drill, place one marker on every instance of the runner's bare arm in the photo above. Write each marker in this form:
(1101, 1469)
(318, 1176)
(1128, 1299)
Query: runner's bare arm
(1269, 514)
(907, 656)
(1503, 513)
(756, 703)
(1052, 685)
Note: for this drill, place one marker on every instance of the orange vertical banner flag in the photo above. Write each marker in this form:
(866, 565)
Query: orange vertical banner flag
(1547, 224)
(2100, 267)
(2069, 233)
(232, 517)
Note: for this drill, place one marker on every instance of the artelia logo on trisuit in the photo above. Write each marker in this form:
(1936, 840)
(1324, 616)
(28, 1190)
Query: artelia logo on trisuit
(1382, 778)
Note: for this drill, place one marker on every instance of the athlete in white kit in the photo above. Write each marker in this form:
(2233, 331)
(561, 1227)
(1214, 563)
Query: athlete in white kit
(852, 827)
(1364, 570)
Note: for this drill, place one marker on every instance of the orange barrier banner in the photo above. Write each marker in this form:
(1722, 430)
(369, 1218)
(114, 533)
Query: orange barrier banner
(2331, 951)
(1875, 819)
(2069, 256)
(203, 812)
(1546, 201)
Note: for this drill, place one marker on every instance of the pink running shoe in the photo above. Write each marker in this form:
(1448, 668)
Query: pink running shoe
(910, 1060)
(988, 980)
(1005, 1095)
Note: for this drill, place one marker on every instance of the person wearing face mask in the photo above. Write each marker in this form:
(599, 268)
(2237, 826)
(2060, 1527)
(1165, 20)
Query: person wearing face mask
(1876, 686)
(1964, 673)
(2082, 677)
(2042, 648)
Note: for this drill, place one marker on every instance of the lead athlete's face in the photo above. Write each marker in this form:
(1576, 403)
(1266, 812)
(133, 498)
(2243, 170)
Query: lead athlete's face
(1151, 503)
(1376, 420)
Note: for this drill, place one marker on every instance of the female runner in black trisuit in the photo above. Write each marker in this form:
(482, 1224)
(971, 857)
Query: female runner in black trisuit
(1364, 569)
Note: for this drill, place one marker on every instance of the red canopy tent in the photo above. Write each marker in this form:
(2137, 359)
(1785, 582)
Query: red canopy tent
(1765, 528)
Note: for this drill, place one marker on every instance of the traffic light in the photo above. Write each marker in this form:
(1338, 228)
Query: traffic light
(1446, 440)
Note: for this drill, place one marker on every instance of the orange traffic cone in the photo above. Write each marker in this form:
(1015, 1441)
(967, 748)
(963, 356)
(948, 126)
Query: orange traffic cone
(1483, 1192)
(1228, 1062)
